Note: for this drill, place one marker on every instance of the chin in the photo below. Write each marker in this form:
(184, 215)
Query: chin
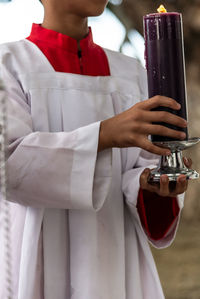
(97, 8)
(96, 13)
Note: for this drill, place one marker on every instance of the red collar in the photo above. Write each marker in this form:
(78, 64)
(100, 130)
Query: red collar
(62, 52)
(60, 40)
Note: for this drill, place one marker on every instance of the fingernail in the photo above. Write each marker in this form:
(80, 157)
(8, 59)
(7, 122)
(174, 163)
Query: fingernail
(178, 106)
(168, 153)
(185, 123)
(182, 179)
(186, 160)
(164, 179)
(183, 135)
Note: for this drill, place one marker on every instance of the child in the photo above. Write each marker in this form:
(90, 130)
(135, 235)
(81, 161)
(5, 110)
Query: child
(82, 209)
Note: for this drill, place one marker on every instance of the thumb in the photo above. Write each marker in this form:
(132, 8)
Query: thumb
(144, 178)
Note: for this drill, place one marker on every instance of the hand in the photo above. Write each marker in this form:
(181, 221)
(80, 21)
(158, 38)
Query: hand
(163, 188)
(132, 127)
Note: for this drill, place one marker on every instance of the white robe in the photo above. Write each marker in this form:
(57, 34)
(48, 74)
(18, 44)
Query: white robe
(75, 223)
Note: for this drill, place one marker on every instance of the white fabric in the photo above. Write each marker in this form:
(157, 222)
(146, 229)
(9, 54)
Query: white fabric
(71, 225)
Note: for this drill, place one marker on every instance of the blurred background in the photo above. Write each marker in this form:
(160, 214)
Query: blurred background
(120, 28)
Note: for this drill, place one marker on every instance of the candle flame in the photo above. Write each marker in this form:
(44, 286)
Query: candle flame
(161, 9)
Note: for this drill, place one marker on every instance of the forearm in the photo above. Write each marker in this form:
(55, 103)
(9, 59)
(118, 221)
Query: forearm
(56, 170)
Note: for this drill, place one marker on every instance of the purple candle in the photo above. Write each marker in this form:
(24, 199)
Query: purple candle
(165, 62)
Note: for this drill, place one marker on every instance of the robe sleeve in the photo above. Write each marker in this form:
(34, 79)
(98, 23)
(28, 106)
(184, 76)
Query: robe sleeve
(158, 222)
(52, 170)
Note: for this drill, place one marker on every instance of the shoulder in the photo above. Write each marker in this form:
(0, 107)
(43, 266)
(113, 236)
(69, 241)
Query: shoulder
(122, 65)
(13, 48)
(14, 54)
(23, 56)
(128, 68)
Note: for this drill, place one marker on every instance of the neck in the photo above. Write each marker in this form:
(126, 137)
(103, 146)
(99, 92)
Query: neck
(71, 25)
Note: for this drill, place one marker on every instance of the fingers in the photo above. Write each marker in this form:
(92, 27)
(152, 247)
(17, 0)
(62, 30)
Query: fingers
(167, 188)
(153, 129)
(166, 117)
(150, 147)
(164, 185)
(181, 184)
(161, 101)
(144, 182)
(187, 162)
(144, 177)
(178, 187)
(163, 189)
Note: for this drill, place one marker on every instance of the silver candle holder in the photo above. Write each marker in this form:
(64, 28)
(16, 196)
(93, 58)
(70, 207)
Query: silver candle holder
(173, 165)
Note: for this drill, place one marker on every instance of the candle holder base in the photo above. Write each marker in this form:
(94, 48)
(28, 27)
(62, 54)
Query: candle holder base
(173, 165)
